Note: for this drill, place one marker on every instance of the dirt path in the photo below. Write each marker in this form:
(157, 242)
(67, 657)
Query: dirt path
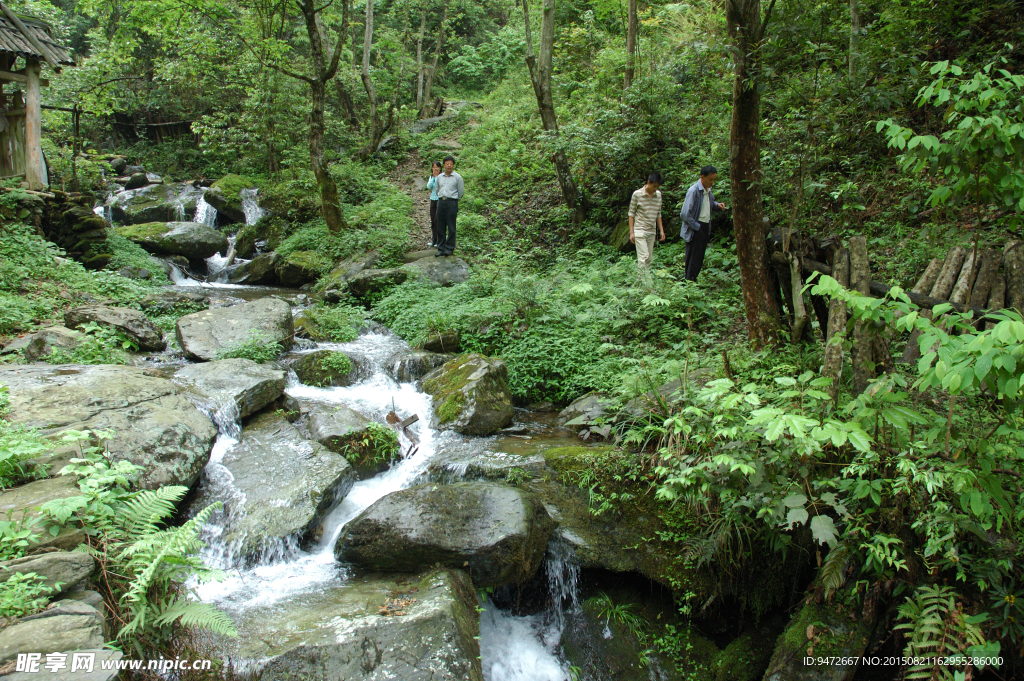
(411, 177)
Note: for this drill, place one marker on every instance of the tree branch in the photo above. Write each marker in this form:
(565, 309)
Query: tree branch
(767, 18)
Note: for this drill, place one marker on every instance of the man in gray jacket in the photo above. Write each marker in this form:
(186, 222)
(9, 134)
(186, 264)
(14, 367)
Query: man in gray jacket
(450, 188)
(696, 216)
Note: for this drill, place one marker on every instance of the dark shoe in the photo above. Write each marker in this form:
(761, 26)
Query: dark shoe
(440, 254)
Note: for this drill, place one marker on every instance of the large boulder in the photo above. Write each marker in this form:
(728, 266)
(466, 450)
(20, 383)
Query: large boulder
(347, 432)
(260, 271)
(203, 335)
(276, 487)
(153, 203)
(22, 504)
(372, 281)
(323, 368)
(192, 240)
(443, 271)
(155, 426)
(471, 395)
(136, 180)
(498, 533)
(446, 341)
(404, 627)
(67, 568)
(250, 386)
(585, 411)
(619, 237)
(226, 196)
(71, 625)
(415, 364)
(131, 323)
(40, 344)
(299, 267)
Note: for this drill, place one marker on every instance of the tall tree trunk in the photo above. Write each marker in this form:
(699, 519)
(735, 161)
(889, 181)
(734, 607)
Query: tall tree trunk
(344, 96)
(330, 206)
(433, 67)
(540, 76)
(746, 30)
(631, 27)
(419, 61)
(371, 93)
(854, 36)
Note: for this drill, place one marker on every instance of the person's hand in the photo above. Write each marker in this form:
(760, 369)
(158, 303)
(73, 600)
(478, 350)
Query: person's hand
(632, 238)
(662, 236)
(721, 206)
(434, 172)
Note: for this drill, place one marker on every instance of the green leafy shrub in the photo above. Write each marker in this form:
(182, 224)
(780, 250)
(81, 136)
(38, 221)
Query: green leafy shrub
(102, 345)
(337, 323)
(376, 444)
(17, 444)
(23, 594)
(15, 538)
(258, 348)
(129, 254)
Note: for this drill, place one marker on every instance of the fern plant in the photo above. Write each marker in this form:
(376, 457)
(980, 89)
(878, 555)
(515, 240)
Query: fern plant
(144, 563)
(937, 627)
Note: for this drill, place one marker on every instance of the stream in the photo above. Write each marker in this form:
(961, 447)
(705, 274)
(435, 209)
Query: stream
(513, 648)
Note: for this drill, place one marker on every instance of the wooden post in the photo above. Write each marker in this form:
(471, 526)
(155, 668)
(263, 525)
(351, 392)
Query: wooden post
(833, 366)
(990, 260)
(34, 174)
(1013, 266)
(941, 289)
(997, 297)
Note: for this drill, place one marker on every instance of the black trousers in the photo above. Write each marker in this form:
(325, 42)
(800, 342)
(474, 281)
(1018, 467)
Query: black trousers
(447, 211)
(433, 222)
(695, 249)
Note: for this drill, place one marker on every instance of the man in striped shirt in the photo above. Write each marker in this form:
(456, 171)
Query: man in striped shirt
(644, 218)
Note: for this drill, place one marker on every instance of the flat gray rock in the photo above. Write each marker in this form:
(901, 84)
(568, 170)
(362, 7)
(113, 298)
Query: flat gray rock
(498, 533)
(42, 343)
(203, 335)
(155, 425)
(23, 502)
(249, 385)
(64, 629)
(65, 567)
(443, 271)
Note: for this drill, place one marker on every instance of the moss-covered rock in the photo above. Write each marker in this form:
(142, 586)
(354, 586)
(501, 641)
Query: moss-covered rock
(301, 267)
(226, 196)
(745, 658)
(323, 368)
(471, 395)
(191, 240)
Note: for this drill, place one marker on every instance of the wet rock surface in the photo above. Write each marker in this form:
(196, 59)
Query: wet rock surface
(276, 487)
(250, 386)
(498, 533)
(131, 323)
(375, 627)
(192, 240)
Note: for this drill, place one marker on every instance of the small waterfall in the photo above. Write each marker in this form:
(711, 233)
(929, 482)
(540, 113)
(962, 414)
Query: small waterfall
(205, 213)
(251, 207)
(217, 264)
(179, 211)
(525, 648)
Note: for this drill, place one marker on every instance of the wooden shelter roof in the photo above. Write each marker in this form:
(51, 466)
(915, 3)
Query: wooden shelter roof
(36, 45)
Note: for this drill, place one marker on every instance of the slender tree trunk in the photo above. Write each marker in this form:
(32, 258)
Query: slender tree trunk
(330, 206)
(344, 96)
(371, 92)
(630, 45)
(540, 76)
(854, 36)
(746, 30)
(419, 61)
(433, 67)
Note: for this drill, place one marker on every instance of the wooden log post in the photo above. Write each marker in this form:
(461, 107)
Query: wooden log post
(931, 275)
(941, 289)
(987, 273)
(833, 365)
(996, 297)
(1013, 268)
(34, 173)
(964, 281)
(863, 349)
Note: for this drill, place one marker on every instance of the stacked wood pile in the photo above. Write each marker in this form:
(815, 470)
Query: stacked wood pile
(981, 281)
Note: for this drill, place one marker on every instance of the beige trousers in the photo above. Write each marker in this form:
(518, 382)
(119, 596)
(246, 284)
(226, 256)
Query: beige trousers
(644, 246)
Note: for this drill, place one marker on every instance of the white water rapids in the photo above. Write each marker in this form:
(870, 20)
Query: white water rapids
(512, 648)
